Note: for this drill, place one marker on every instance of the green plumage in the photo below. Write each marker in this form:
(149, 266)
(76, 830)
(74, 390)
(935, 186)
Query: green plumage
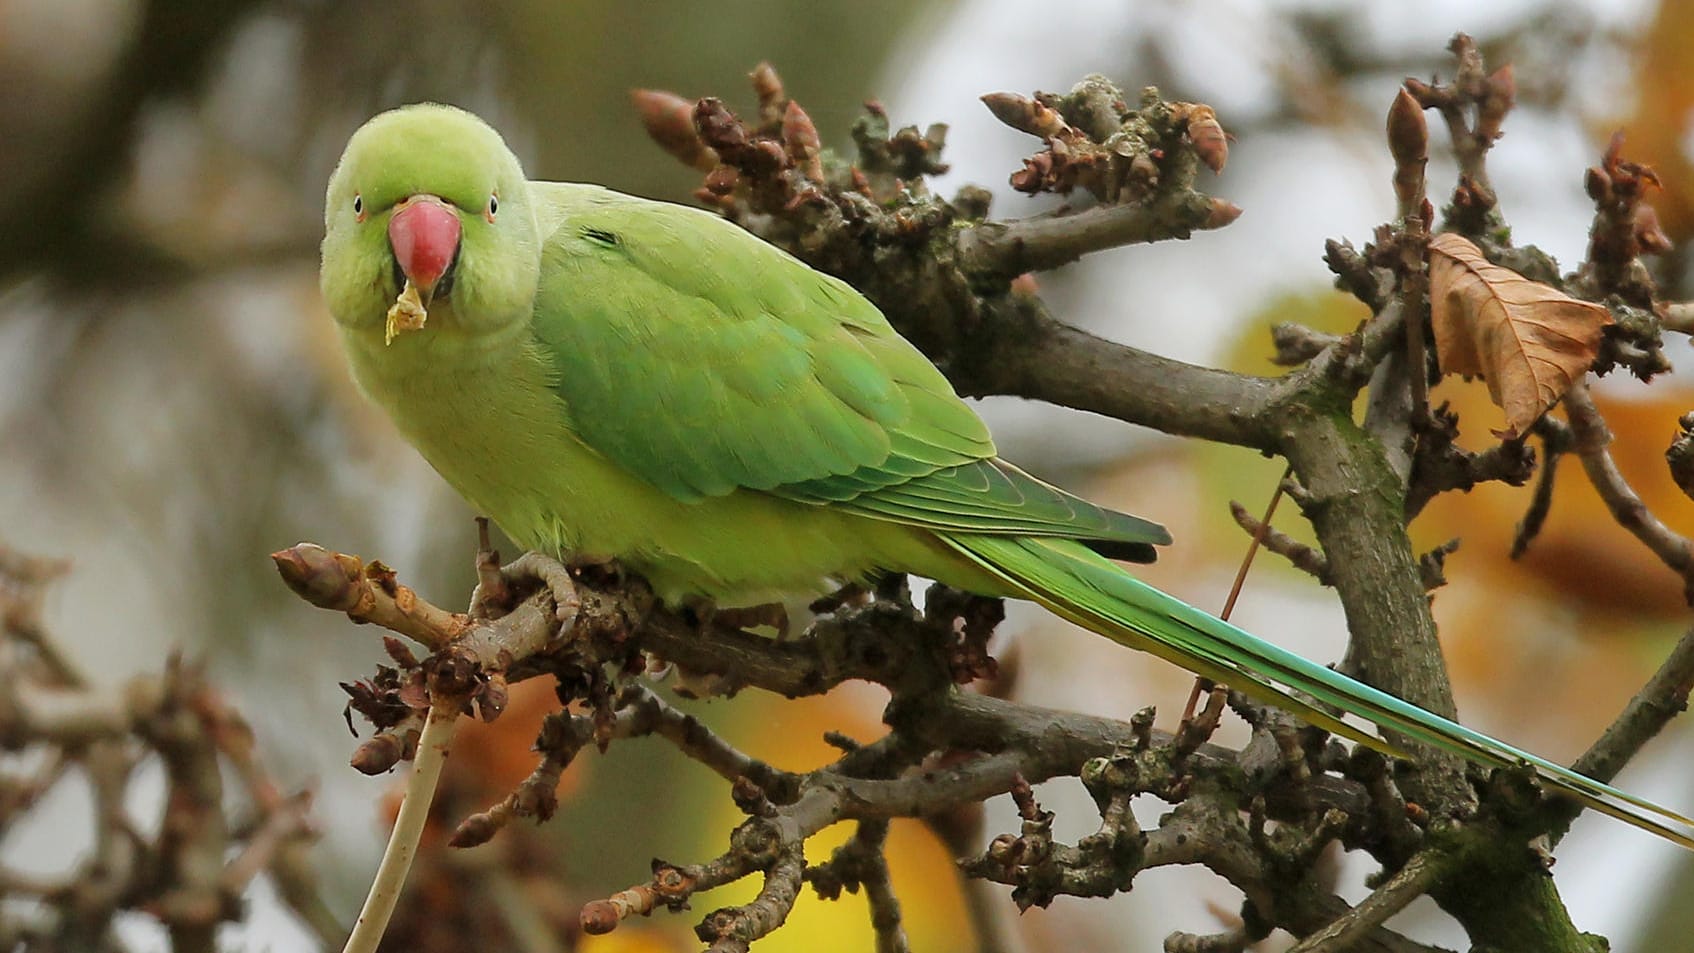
(612, 377)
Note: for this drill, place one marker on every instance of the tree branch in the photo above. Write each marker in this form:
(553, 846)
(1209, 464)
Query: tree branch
(1589, 439)
(1003, 250)
(1663, 697)
(1344, 932)
(1021, 350)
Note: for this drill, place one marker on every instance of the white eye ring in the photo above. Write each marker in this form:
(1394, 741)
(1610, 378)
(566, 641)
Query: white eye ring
(493, 205)
(358, 204)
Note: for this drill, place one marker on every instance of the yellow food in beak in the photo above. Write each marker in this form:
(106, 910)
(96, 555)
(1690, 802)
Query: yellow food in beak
(407, 314)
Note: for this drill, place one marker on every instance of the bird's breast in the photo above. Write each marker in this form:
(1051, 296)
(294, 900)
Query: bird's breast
(500, 435)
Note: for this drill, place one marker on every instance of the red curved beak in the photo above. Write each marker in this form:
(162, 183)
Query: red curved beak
(424, 234)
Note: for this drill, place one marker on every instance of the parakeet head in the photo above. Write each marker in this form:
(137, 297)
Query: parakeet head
(429, 194)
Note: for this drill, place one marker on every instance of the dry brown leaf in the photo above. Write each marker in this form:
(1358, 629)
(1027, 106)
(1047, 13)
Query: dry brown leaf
(1529, 341)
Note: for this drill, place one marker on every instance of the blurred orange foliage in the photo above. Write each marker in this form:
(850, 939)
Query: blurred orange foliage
(789, 734)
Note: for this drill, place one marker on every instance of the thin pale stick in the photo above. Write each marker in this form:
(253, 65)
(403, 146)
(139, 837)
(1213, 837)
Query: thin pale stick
(408, 828)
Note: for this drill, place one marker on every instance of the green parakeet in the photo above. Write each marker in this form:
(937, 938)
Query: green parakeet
(612, 377)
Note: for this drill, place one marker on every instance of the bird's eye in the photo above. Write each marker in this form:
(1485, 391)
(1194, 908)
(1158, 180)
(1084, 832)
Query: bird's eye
(493, 206)
(358, 204)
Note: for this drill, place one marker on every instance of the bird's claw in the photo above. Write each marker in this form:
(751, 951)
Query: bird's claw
(849, 594)
(600, 569)
(707, 613)
(495, 593)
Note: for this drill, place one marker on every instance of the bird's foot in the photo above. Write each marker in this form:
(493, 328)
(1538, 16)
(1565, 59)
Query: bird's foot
(690, 683)
(851, 594)
(1196, 729)
(704, 612)
(492, 597)
(555, 575)
(500, 588)
(598, 570)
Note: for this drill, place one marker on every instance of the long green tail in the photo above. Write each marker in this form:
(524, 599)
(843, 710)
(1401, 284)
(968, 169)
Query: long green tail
(1087, 589)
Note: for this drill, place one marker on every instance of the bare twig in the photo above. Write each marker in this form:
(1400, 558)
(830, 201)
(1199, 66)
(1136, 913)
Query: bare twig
(1296, 344)
(861, 863)
(1408, 883)
(1023, 742)
(1304, 557)
(699, 743)
(1007, 249)
(1253, 546)
(408, 828)
(1408, 142)
(1678, 316)
(367, 593)
(1488, 97)
(1232, 940)
(733, 929)
(1441, 464)
(1555, 440)
(1355, 274)
(1432, 566)
(1590, 438)
(1663, 697)
(1414, 291)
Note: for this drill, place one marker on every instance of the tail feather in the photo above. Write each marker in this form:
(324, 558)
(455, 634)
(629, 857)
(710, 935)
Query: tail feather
(1085, 588)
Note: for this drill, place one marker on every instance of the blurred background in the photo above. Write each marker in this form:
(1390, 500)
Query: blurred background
(173, 404)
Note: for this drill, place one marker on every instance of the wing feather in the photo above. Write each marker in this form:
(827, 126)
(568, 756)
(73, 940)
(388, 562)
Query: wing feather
(707, 361)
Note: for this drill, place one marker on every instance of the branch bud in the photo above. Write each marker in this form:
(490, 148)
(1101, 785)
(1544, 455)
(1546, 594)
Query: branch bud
(399, 652)
(1025, 114)
(1207, 135)
(1468, 78)
(1597, 184)
(1221, 213)
(493, 696)
(751, 798)
(1408, 132)
(1420, 90)
(1680, 456)
(1408, 142)
(1500, 95)
(1648, 233)
(1032, 178)
(474, 831)
(603, 916)
(718, 128)
(379, 753)
(767, 86)
(599, 917)
(669, 121)
(325, 579)
(800, 138)
(722, 180)
(1614, 152)
(766, 155)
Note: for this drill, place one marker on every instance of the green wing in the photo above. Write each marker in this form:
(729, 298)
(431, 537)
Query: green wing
(705, 361)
